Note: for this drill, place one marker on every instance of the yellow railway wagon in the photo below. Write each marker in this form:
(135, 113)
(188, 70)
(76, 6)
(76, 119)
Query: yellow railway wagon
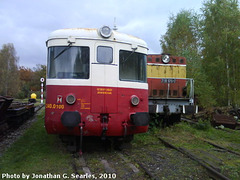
(175, 67)
(166, 76)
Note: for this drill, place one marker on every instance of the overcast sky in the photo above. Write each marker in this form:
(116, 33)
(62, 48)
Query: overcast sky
(27, 23)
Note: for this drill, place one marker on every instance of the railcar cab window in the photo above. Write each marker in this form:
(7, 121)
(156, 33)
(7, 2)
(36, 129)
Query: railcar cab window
(132, 66)
(104, 54)
(68, 62)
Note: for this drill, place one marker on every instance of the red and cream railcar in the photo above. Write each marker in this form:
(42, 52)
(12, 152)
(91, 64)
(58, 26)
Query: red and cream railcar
(96, 83)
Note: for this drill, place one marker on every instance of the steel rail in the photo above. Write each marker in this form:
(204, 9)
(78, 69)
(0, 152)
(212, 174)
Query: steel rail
(212, 172)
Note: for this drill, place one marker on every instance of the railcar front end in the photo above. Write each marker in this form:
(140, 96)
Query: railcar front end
(96, 83)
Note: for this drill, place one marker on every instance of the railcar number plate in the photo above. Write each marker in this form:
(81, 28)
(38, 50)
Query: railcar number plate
(168, 81)
(54, 106)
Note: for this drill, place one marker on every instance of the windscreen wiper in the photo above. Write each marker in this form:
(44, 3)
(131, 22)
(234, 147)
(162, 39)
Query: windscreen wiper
(68, 47)
(124, 60)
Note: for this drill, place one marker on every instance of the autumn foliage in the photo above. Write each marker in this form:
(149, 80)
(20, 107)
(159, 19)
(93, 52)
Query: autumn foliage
(18, 82)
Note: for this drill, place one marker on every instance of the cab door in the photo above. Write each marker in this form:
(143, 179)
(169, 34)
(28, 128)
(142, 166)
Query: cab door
(105, 77)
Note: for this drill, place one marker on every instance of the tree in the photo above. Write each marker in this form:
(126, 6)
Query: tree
(18, 82)
(26, 76)
(30, 80)
(39, 72)
(220, 43)
(9, 78)
(183, 38)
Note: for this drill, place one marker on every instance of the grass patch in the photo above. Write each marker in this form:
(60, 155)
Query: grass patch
(36, 152)
(185, 132)
(145, 138)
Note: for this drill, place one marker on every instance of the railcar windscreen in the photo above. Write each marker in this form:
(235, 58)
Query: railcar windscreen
(68, 62)
(132, 66)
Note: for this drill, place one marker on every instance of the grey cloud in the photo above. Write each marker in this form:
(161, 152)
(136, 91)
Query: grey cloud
(28, 23)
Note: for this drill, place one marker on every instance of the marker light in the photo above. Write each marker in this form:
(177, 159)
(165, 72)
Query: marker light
(165, 59)
(105, 31)
(70, 99)
(135, 100)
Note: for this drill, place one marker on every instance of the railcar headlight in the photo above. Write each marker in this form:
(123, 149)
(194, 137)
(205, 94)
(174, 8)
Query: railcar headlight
(105, 31)
(135, 100)
(165, 59)
(70, 99)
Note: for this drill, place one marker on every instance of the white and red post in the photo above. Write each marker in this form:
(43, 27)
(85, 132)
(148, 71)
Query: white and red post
(42, 80)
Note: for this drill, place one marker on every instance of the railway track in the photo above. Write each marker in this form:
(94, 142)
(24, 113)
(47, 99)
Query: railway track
(13, 132)
(7, 132)
(157, 160)
(213, 171)
(218, 156)
(107, 166)
(99, 161)
(13, 128)
(151, 161)
(160, 162)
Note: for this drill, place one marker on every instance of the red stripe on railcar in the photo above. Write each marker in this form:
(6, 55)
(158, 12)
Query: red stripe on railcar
(91, 102)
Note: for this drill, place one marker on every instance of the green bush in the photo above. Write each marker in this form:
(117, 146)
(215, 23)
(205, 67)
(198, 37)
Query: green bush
(203, 125)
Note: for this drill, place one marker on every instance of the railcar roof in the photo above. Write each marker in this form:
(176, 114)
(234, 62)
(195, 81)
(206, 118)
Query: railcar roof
(91, 33)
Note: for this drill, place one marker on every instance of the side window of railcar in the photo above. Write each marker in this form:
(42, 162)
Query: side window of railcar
(104, 54)
(68, 62)
(132, 66)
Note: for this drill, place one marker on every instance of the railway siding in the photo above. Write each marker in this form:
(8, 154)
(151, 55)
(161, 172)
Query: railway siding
(209, 146)
(113, 164)
(148, 158)
(161, 162)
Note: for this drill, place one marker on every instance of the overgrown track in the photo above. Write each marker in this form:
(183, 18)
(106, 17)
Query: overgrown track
(154, 159)
(212, 170)
(160, 162)
(107, 165)
(190, 121)
(222, 148)
(151, 161)
(15, 127)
